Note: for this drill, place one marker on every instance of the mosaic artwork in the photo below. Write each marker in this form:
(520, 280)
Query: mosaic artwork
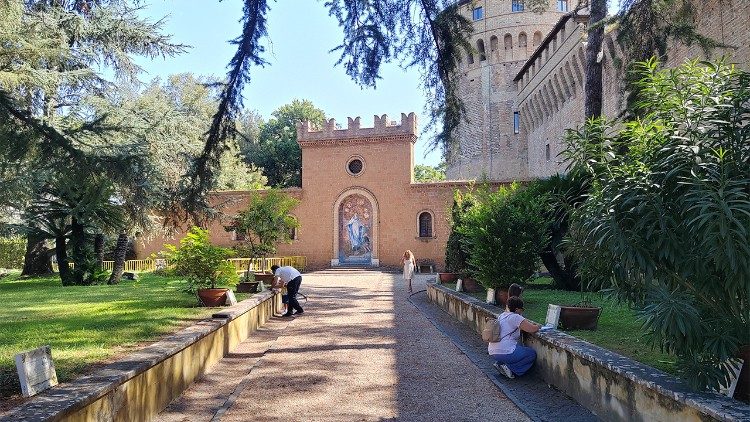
(355, 229)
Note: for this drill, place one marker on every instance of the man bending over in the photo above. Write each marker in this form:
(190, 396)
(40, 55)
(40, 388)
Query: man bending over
(292, 279)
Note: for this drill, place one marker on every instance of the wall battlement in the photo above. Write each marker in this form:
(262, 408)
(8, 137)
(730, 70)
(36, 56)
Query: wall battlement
(382, 128)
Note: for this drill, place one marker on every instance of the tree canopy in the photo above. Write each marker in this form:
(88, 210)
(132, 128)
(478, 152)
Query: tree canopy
(272, 145)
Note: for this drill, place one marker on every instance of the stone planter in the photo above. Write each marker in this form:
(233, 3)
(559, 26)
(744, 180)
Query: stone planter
(247, 287)
(448, 277)
(471, 285)
(579, 317)
(213, 297)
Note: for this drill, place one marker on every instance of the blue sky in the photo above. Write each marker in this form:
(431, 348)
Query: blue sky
(300, 36)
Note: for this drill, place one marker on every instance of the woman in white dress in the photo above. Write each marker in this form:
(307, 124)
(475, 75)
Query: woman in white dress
(409, 264)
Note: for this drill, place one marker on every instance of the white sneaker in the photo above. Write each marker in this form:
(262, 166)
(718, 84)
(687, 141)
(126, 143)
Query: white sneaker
(503, 369)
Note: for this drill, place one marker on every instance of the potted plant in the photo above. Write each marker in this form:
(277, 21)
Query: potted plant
(580, 316)
(266, 222)
(204, 265)
(455, 249)
(505, 232)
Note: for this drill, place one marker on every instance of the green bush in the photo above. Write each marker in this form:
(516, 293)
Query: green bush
(12, 251)
(505, 232)
(203, 264)
(456, 257)
(666, 223)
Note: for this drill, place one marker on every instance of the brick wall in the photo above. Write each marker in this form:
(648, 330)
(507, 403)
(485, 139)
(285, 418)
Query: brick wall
(387, 152)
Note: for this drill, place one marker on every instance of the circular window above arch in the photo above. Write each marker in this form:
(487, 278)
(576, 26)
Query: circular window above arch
(355, 166)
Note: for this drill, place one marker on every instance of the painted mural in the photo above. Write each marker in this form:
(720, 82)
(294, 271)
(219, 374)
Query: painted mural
(355, 230)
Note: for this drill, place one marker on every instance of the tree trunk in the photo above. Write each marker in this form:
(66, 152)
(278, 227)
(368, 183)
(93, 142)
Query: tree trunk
(62, 261)
(99, 250)
(120, 250)
(36, 260)
(562, 275)
(593, 87)
(83, 260)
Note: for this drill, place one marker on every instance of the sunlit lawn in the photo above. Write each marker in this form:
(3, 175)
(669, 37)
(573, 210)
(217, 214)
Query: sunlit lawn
(87, 324)
(618, 329)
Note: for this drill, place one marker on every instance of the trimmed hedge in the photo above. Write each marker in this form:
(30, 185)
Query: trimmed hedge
(12, 251)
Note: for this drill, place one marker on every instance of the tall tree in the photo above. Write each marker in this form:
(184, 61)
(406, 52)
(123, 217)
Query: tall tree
(275, 149)
(593, 81)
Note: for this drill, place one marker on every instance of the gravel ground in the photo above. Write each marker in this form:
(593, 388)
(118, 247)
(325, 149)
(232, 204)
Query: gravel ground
(360, 352)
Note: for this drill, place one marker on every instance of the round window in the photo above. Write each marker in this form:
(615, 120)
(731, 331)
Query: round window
(355, 166)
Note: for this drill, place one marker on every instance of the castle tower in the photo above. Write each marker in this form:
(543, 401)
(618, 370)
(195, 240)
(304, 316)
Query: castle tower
(505, 35)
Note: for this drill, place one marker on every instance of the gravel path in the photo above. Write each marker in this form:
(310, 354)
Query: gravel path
(360, 352)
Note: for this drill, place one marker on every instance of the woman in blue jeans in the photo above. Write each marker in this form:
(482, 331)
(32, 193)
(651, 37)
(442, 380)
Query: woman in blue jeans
(513, 358)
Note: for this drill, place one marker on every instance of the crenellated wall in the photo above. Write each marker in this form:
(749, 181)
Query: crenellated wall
(534, 64)
(503, 40)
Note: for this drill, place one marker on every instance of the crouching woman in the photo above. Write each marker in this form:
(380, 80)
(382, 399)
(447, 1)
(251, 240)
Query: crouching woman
(513, 358)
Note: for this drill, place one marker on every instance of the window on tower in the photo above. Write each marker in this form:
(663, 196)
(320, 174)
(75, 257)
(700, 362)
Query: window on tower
(478, 13)
(562, 5)
(517, 6)
(516, 122)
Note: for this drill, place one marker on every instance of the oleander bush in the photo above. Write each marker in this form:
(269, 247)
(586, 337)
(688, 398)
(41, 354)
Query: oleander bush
(665, 225)
(203, 264)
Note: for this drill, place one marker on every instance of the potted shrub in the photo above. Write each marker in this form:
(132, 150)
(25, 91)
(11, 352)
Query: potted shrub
(204, 265)
(266, 222)
(505, 231)
(455, 253)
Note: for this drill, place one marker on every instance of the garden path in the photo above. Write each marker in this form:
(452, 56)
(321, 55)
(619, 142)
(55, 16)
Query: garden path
(361, 351)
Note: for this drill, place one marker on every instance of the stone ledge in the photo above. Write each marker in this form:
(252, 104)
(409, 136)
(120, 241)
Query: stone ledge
(68, 398)
(663, 389)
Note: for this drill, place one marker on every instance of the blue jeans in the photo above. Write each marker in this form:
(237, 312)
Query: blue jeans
(519, 361)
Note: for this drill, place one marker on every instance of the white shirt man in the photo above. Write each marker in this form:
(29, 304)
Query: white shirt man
(292, 279)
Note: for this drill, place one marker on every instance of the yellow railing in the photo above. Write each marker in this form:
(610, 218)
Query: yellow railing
(264, 264)
(240, 264)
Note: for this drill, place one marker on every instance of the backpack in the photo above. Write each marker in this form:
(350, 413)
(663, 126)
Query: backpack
(491, 330)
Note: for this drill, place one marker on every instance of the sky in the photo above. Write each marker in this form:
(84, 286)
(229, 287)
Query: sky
(301, 34)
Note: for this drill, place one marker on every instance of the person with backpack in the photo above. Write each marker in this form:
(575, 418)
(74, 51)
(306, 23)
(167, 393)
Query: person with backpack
(511, 358)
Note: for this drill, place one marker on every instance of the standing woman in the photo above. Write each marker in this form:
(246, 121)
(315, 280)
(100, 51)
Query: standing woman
(409, 264)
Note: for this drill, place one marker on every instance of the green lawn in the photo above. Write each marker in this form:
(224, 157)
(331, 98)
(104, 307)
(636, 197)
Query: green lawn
(87, 324)
(618, 330)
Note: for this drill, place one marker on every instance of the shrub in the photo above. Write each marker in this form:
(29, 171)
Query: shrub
(666, 224)
(505, 232)
(456, 256)
(203, 264)
(12, 251)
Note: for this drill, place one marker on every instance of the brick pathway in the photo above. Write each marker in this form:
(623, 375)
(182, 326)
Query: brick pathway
(361, 351)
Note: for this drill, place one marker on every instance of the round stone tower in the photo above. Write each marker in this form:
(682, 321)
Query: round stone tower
(505, 34)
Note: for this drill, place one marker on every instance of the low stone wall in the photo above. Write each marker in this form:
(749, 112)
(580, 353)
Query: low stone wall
(142, 384)
(613, 387)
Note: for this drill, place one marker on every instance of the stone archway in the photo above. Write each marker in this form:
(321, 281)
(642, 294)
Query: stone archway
(355, 234)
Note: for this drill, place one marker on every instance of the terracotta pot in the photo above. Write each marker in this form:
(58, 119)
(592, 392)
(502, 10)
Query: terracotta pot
(471, 285)
(501, 297)
(448, 277)
(213, 297)
(742, 392)
(247, 287)
(579, 318)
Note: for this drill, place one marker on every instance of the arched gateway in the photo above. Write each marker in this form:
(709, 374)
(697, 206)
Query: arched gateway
(355, 237)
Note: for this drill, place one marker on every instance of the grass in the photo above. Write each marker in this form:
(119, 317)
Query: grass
(618, 330)
(85, 325)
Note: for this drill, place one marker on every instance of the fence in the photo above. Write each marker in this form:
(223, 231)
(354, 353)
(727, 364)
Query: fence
(240, 264)
(264, 264)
